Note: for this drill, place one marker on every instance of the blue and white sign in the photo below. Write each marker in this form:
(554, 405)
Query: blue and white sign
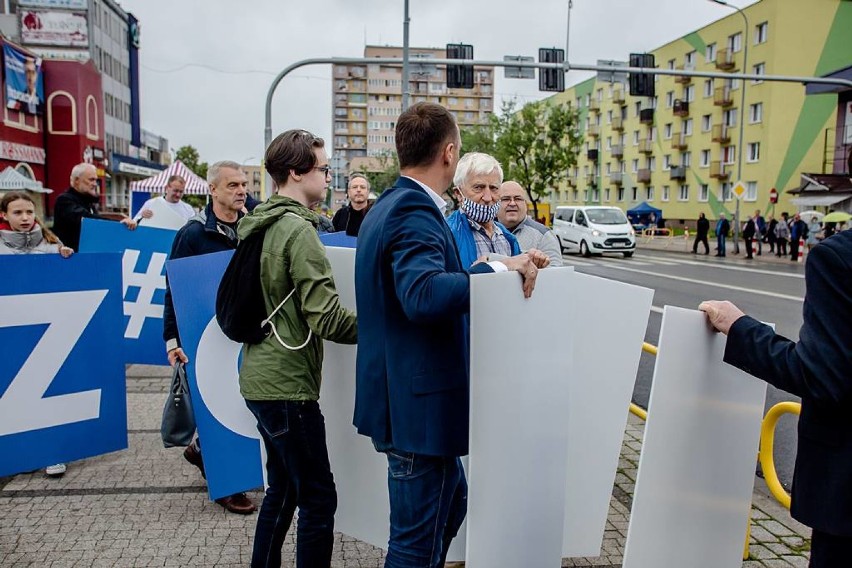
(24, 80)
(144, 253)
(62, 392)
(230, 442)
(339, 239)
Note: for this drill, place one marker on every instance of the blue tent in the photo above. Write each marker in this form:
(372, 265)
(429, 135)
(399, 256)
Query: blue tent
(641, 214)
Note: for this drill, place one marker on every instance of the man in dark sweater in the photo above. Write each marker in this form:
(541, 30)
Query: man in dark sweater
(349, 217)
(701, 229)
(79, 201)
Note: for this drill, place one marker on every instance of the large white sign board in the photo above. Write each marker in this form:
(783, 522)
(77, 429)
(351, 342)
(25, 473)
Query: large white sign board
(163, 218)
(519, 351)
(610, 321)
(696, 472)
(360, 472)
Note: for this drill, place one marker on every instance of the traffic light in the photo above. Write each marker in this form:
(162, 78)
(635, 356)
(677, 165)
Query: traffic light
(459, 76)
(642, 84)
(551, 79)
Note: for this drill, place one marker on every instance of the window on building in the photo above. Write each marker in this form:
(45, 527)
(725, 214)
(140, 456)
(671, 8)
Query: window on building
(729, 117)
(634, 167)
(672, 63)
(652, 163)
(707, 123)
(686, 159)
(667, 131)
(667, 162)
(735, 42)
(600, 94)
(760, 32)
(704, 160)
(649, 193)
(637, 108)
(703, 192)
(635, 193)
(687, 127)
(683, 193)
(608, 167)
(619, 194)
(729, 154)
(755, 113)
(751, 191)
(753, 152)
(758, 69)
(606, 194)
(609, 117)
(670, 99)
(689, 93)
(725, 193)
(689, 60)
(635, 137)
(708, 88)
(665, 196)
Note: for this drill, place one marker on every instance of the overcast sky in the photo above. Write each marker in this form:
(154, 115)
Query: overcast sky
(206, 65)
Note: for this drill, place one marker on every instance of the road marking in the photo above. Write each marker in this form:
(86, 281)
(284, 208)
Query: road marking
(729, 267)
(706, 283)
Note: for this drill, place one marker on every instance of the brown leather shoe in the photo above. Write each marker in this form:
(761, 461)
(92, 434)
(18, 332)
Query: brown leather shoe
(237, 503)
(192, 454)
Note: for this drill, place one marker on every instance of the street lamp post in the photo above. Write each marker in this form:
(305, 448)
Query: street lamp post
(742, 119)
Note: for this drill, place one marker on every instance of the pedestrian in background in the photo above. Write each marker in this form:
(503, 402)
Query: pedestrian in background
(722, 228)
(798, 231)
(22, 233)
(702, 227)
(770, 233)
(749, 232)
(817, 370)
(782, 235)
(814, 236)
(760, 234)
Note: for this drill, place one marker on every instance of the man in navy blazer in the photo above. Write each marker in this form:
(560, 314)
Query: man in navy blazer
(412, 372)
(819, 370)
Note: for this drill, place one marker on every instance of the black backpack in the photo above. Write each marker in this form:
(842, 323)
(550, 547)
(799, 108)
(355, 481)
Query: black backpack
(240, 306)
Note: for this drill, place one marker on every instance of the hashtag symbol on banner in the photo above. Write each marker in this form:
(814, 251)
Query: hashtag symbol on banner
(148, 283)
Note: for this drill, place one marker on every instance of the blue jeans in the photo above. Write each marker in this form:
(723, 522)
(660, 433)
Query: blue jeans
(428, 502)
(299, 475)
(720, 244)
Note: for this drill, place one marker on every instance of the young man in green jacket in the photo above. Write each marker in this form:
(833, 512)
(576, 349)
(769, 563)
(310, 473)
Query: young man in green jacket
(280, 377)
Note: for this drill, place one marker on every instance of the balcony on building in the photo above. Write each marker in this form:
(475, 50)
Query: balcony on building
(594, 130)
(617, 123)
(720, 134)
(592, 180)
(646, 116)
(616, 178)
(618, 95)
(678, 172)
(644, 175)
(725, 60)
(679, 141)
(681, 108)
(646, 146)
(684, 79)
(592, 155)
(594, 105)
(617, 151)
(723, 97)
(719, 170)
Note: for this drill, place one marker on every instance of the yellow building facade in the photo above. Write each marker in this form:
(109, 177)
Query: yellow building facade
(680, 150)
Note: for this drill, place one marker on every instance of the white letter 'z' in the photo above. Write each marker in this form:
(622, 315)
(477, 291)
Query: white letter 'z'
(22, 406)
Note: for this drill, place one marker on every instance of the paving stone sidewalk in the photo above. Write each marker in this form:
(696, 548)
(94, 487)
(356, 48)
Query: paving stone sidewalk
(147, 506)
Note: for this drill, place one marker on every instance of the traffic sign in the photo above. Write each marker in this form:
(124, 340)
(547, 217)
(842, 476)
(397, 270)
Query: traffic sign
(739, 190)
(773, 195)
(518, 72)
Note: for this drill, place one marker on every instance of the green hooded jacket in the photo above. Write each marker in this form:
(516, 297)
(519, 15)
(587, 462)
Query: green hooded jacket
(292, 257)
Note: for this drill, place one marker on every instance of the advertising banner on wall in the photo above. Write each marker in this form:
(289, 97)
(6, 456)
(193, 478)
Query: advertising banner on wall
(24, 80)
(43, 27)
(65, 4)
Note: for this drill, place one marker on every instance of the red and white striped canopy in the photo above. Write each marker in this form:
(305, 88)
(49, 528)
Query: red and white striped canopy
(157, 184)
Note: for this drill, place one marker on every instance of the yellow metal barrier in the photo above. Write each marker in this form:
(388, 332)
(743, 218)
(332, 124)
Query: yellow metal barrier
(765, 455)
(767, 442)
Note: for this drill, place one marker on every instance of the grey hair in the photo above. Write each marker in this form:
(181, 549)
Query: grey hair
(476, 163)
(79, 170)
(355, 176)
(213, 170)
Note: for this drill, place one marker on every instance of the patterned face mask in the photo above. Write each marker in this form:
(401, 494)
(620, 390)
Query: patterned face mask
(478, 212)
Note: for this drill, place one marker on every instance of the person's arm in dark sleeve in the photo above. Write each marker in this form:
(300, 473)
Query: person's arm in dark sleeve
(818, 366)
(180, 249)
(339, 219)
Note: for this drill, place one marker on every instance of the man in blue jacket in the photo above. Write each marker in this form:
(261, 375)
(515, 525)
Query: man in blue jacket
(412, 372)
(817, 369)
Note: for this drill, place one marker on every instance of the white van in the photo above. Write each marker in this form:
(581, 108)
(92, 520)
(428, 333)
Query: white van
(594, 229)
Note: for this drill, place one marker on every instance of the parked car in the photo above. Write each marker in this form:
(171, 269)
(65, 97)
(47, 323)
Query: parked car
(594, 229)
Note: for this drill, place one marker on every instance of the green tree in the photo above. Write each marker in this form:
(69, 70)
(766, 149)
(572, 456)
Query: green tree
(190, 158)
(536, 145)
(384, 178)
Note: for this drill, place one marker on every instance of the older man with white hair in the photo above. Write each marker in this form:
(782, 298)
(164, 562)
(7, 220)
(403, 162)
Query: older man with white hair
(530, 234)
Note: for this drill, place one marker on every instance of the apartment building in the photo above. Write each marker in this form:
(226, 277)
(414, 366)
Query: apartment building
(680, 152)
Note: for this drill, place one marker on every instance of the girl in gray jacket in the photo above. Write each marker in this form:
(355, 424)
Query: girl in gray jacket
(21, 233)
(20, 230)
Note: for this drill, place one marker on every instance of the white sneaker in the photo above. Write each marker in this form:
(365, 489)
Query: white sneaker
(57, 470)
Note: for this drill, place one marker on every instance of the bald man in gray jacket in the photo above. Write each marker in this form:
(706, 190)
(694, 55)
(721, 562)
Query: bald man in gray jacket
(530, 234)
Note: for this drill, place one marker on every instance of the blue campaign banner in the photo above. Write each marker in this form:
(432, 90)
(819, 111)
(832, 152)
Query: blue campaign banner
(340, 239)
(24, 80)
(230, 442)
(62, 392)
(144, 254)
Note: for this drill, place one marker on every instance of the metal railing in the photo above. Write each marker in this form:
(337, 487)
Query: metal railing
(765, 454)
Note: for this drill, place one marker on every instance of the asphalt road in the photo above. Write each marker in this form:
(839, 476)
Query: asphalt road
(771, 292)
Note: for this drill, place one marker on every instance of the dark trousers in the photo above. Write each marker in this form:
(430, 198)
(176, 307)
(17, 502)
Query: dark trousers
(299, 475)
(748, 242)
(794, 249)
(830, 551)
(781, 247)
(701, 239)
(428, 502)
